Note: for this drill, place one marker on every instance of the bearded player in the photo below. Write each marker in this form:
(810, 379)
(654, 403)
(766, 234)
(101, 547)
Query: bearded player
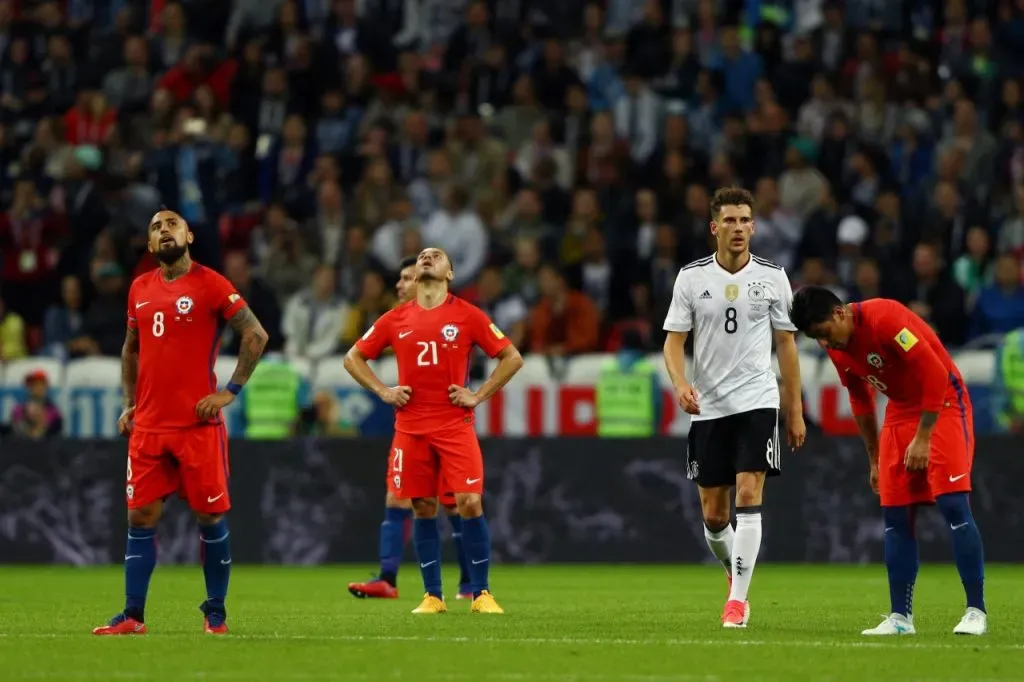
(398, 512)
(925, 450)
(435, 448)
(172, 413)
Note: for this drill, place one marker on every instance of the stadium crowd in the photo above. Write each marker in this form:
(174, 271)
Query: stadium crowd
(563, 153)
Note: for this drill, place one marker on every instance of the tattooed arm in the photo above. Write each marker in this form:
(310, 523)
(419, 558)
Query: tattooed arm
(253, 340)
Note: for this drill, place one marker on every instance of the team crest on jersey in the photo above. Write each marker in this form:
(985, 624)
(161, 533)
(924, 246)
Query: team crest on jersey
(184, 305)
(449, 332)
(875, 360)
(755, 291)
(732, 292)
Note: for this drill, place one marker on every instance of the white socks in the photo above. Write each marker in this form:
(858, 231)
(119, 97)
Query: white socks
(744, 550)
(720, 544)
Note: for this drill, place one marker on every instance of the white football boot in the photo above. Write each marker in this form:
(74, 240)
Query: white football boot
(974, 622)
(894, 624)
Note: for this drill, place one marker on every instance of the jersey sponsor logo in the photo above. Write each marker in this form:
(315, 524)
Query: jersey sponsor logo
(875, 360)
(906, 339)
(705, 296)
(233, 298)
(369, 332)
(449, 332)
(732, 292)
(755, 291)
(496, 331)
(184, 305)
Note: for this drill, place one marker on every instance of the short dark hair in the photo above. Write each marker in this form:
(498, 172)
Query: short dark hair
(730, 196)
(407, 262)
(811, 306)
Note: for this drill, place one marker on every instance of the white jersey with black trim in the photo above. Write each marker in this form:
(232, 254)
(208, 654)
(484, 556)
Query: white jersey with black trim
(731, 316)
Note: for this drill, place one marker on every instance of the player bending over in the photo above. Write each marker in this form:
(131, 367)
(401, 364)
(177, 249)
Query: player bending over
(731, 302)
(926, 447)
(398, 512)
(177, 442)
(435, 448)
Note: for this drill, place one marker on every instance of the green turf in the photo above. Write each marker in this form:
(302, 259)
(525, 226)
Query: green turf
(564, 623)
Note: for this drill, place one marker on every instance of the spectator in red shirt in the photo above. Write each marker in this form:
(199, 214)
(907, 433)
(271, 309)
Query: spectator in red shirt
(200, 67)
(90, 120)
(565, 322)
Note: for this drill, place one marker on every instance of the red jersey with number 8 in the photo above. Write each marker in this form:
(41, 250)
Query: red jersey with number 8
(433, 349)
(179, 324)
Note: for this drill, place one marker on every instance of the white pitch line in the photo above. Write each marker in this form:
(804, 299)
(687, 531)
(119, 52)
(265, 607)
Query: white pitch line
(395, 675)
(902, 643)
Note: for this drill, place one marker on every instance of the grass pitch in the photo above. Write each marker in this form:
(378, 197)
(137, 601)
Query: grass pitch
(564, 624)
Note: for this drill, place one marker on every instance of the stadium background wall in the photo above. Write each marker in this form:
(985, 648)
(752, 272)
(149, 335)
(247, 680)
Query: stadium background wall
(548, 500)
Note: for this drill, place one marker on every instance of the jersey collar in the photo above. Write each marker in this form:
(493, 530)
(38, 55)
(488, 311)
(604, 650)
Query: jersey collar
(750, 259)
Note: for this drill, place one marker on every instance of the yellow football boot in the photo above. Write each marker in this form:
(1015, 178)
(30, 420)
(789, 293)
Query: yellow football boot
(486, 603)
(432, 604)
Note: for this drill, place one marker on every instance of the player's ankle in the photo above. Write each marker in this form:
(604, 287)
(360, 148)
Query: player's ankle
(390, 578)
(135, 613)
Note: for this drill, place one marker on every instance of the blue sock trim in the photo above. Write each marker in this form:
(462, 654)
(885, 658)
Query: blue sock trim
(427, 538)
(476, 538)
(901, 557)
(968, 549)
(392, 541)
(216, 560)
(139, 564)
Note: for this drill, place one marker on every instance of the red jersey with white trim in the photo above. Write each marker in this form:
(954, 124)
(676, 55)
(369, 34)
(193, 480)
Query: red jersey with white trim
(433, 349)
(179, 325)
(894, 351)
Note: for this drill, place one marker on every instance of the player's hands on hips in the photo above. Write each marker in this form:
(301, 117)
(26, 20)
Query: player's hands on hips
(873, 477)
(796, 429)
(124, 422)
(462, 397)
(916, 457)
(687, 398)
(397, 396)
(210, 406)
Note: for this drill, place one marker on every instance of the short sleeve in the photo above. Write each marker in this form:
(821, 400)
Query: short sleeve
(223, 296)
(377, 337)
(680, 311)
(782, 304)
(133, 322)
(487, 335)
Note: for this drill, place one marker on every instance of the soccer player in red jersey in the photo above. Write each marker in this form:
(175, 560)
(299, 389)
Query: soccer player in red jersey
(177, 441)
(925, 450)
(435, 448)
(398, 512)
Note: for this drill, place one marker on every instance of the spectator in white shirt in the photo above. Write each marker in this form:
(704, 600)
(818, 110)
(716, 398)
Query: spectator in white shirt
(390, 239)
(313, 319)
(457, 229)
(638, 117)
(507, 310)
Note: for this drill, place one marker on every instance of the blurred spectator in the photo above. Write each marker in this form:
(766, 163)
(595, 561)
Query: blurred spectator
(30, 233)
(524, 219)
(37, 416)
(12, 335)
(936, 297)
(1000, 306)
(801, 185)
(284, 169)
(260, 298)
(507, 310)
(325, 418)
(541, 146)
(457, 229)
(479, 160)
(637, 116)
(102, 331)
(974, 270)
(521, 275)
(777, 231)
(392, 240)
(63, 322)
(285, 261)
(564, 322)
(128, 88)
(374, 194)
(867, 281)
(373, 301)
(314, 318)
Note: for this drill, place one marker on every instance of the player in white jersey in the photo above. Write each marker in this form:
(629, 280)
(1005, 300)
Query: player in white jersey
(732, 302)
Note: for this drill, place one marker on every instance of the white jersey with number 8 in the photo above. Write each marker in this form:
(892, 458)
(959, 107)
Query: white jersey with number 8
(731, 317)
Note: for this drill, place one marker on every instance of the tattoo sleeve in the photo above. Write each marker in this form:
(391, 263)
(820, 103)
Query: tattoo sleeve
(130, 366)
(253, 339)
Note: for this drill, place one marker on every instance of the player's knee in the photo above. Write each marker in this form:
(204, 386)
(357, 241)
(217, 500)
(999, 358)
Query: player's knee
(954, 507)
(424, 507)
(748, 489)
(469, 505)
(144, 517)
(208, 519)
(394, 502)
(715, 507)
